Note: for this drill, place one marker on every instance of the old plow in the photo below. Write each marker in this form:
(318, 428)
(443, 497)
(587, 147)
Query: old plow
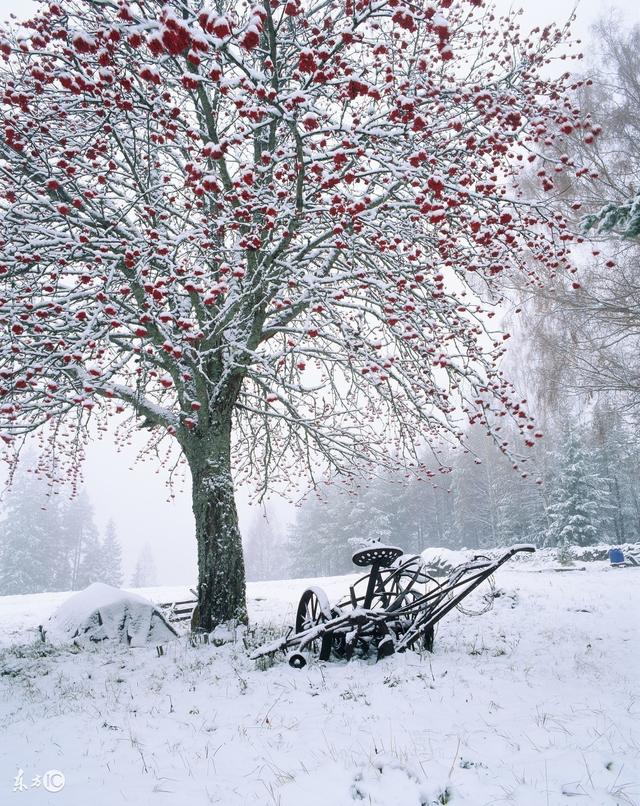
(394, 607)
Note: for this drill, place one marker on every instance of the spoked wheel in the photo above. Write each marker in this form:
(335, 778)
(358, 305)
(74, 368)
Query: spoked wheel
(401, 584)
(409, 583)
(481, 600)
(313, 610)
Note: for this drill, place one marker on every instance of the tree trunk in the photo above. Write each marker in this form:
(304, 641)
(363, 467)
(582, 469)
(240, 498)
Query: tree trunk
(221, 576)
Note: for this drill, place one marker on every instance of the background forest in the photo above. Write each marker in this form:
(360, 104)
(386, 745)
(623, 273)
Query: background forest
(50, 542)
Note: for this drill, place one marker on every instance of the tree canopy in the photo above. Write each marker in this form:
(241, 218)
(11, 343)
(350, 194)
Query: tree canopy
(268, 229)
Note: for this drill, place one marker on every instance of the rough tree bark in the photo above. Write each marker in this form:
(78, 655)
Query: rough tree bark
(221, 576)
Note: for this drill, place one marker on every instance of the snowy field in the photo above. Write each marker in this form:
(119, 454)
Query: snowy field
(536, 703)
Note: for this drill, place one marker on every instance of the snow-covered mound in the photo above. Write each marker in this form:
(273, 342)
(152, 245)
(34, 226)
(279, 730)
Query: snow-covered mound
(103, 613)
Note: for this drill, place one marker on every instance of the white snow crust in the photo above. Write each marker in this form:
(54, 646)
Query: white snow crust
(532, 704)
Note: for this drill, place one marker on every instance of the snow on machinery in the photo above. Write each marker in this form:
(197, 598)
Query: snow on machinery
(394, 607)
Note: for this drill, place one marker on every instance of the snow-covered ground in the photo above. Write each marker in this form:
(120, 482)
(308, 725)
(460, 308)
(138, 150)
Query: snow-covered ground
(536, 703)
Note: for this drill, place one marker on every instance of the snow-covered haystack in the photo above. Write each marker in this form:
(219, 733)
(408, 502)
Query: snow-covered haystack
(103, 613)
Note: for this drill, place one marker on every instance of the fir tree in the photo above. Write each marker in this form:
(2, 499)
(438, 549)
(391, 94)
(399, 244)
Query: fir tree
(318, 539)
(111, 556)
(264, 550)
(580, 499)
(144, 575)
(82, 542)
(615, 450)
(30, 556)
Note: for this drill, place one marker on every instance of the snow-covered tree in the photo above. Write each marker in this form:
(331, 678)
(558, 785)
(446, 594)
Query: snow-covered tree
(587, 491)
(144, 575)
(622, 219)
(32, 558)
(581, 332)
(82, 541)
(318, 538)
(580, 507)
(494, 503)
(111, 571)
(426, 516)
(614, 453)
(265, 231)
(373, 514)
(477, 493)
(264, 549)
(615, 113)
(50, 542)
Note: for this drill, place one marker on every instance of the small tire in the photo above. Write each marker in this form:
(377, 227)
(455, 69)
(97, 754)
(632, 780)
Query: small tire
(297, 660)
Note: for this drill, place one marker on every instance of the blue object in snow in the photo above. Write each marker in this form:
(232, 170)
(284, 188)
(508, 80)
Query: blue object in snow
(616, 557)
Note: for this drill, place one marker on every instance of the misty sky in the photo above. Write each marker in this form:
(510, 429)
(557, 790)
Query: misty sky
(136, 497)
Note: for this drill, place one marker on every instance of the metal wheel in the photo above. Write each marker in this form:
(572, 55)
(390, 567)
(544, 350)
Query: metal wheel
(480, 601)
(297, 660)
(408, 583)
(314, 609)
